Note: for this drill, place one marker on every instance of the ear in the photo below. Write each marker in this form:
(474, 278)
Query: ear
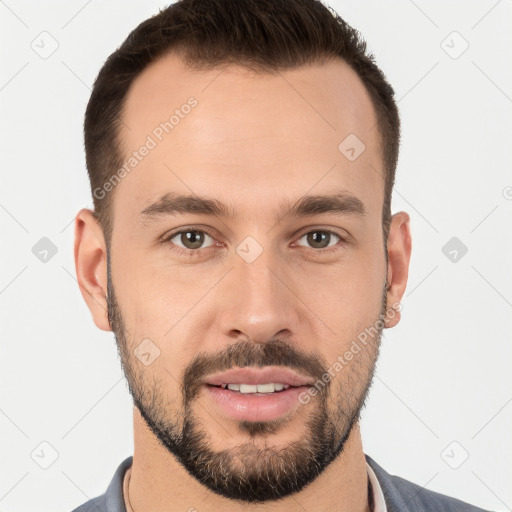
(91, 266)
(399, 254)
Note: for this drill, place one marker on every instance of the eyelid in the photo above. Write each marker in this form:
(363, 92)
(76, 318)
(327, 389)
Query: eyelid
(209, 231)
(320, 231)
(343, 240)
(166, 239)
(183, 229)
(342, 234)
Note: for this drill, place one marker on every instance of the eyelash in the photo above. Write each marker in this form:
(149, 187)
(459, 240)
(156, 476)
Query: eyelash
(199, 252)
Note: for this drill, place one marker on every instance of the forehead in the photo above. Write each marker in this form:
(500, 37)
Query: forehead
(230, 132)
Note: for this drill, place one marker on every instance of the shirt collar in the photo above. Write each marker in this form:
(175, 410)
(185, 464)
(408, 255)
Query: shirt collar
(379, 504)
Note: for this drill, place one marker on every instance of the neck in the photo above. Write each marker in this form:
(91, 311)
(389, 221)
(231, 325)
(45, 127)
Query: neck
(158, 482)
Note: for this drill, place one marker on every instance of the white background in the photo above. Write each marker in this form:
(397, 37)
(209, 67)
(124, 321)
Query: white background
(444, 372)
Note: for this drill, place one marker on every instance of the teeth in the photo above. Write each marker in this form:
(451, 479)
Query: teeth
(256, 388)
(248, 388)
(265, 388)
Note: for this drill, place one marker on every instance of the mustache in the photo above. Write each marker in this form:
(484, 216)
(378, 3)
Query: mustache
(245, 353)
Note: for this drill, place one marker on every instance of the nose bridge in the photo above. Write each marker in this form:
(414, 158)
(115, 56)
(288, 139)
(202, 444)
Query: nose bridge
(258, 303)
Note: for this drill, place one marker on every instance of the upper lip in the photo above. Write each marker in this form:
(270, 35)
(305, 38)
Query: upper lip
(252, 375)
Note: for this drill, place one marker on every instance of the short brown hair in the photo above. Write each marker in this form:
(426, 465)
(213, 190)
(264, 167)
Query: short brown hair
(262, 35)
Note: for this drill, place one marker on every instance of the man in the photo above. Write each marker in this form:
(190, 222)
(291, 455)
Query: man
(242, 249)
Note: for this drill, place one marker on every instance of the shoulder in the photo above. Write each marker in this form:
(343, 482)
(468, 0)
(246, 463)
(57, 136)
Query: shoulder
(112, 500)
(98, 504)
(402, 495)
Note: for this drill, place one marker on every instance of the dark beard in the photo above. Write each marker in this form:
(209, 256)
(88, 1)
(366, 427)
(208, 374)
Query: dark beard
(248, 473)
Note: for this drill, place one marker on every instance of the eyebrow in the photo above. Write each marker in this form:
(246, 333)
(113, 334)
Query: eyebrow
(341, 203)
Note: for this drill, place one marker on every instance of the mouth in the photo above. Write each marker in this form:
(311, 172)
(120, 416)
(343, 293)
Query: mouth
(265, 377)
(256, 394)
(256, 389)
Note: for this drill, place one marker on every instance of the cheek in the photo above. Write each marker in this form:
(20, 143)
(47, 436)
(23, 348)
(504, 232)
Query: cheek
(348, 302)
(346, 297)
(162, 306)
(151, 300)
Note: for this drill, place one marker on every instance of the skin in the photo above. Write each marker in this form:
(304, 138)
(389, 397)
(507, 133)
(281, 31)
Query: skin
(253, 141)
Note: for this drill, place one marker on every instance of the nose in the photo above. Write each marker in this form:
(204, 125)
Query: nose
(258, 301)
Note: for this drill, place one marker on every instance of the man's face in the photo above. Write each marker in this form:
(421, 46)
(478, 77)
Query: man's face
(259, 286)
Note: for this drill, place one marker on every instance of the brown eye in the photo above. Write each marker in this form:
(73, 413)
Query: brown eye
(320, 239)
(191, 239)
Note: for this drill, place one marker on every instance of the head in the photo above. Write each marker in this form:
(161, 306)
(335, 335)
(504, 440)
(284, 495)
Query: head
(242, 157)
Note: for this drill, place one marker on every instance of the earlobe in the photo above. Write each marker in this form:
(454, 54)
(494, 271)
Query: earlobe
(399, 248)
(91, 266)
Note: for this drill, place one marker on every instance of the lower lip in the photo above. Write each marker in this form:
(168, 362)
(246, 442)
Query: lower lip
(255, 407)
